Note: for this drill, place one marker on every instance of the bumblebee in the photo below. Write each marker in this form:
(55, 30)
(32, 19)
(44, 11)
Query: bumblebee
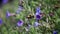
(30, 16)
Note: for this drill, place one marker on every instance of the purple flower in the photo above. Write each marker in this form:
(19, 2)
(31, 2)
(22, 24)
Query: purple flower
(54, 32)
(38, 17)
(38, 9)
(20, 23)
(36, 24)
(7, 14)
(5, 1)
(19, 10)
(1, 21)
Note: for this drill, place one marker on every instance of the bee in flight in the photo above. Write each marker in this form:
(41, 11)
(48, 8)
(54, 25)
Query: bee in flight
(30, 16)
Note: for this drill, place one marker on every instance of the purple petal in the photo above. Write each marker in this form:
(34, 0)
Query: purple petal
(1, 21)
(5, 1)
(7, 14)
(38, 17)
(20, 23)
(36, 24)
(38, 9)
(37, 13)
(54, 32)
(19, 9)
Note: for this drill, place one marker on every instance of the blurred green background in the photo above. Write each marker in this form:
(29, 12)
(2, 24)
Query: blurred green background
(9, 25)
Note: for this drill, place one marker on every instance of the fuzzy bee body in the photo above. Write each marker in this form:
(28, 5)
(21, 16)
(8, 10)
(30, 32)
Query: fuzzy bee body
(30, 16)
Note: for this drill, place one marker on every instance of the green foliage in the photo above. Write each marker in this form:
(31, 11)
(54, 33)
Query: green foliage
(10, 27)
